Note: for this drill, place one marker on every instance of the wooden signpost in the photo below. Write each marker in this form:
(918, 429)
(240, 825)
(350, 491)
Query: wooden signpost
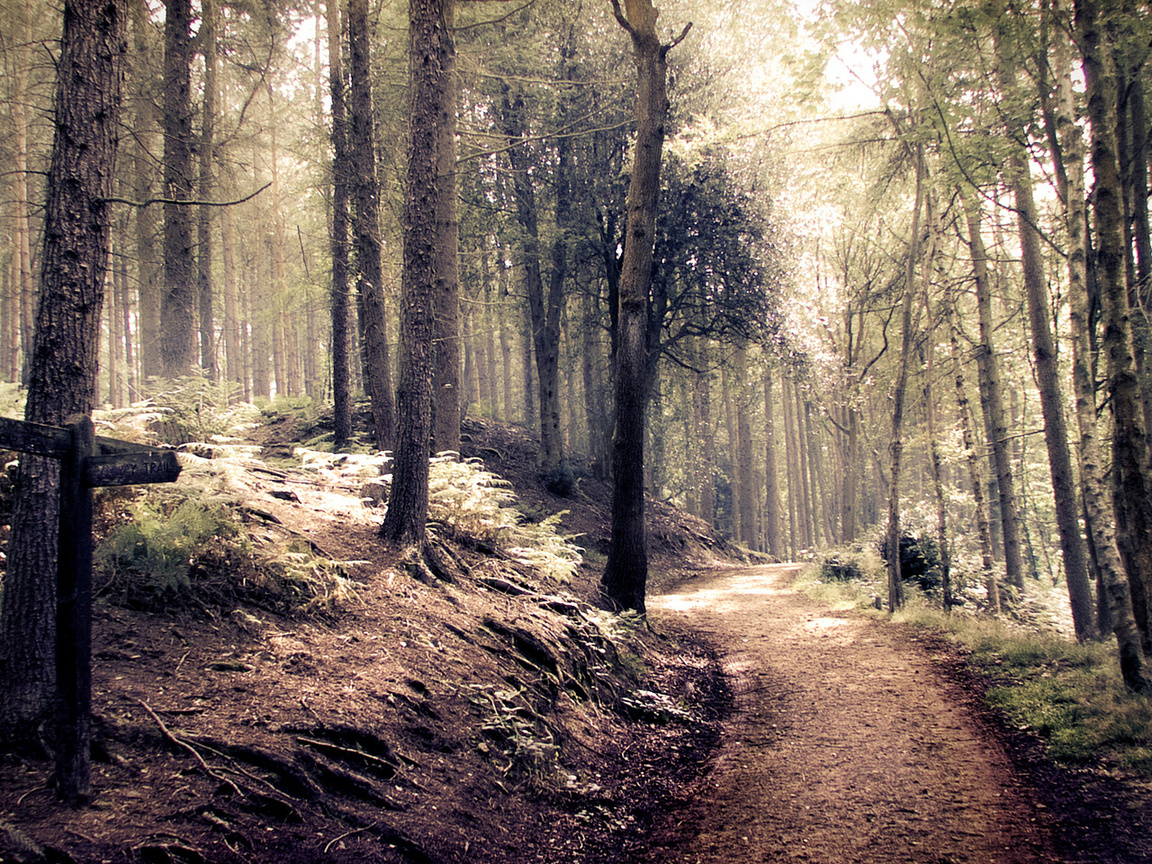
(86, 462)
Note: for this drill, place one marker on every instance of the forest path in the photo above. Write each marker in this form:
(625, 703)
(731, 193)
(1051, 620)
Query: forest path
(846, 745)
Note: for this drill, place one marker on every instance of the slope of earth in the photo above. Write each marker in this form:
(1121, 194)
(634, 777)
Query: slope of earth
(854, 741)
(482, 714)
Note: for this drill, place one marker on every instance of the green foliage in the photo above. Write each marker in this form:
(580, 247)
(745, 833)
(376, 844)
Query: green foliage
(561, 480)
(840, 569)
(472, 502)
(179, 411)
(1069, 694)
(173, 550)
(149, 560)
(919, 560)
(525, 749)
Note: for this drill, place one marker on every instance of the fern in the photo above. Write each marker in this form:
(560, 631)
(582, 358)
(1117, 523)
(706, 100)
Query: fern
(472, 501)
(155, 552)
(181, 410)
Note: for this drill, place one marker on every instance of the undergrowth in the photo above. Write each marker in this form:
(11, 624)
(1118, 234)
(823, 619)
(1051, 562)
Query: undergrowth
(171, 550)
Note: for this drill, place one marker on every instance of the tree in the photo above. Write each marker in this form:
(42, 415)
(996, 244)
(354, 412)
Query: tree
(205, 187)
(404, 523)
(366, 198)
(342, 407)
(1069, 151)
(447, 403)
(1133, 508)
(991, 400)
(64, 359)
(178, 301)
(899, 390)
(1064, 489)
(626, 572)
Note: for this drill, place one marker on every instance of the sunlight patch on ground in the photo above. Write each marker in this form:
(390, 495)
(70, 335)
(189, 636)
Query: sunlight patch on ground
(728, 595)
(825, 623)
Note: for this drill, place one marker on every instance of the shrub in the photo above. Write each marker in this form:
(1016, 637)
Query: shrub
(919, 561)
(561, 480)
(837, 569)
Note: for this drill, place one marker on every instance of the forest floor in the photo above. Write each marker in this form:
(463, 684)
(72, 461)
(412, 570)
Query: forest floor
(855, 740)
(496, 719)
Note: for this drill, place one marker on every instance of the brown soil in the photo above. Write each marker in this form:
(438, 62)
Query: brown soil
(436, 722)
(854, 740)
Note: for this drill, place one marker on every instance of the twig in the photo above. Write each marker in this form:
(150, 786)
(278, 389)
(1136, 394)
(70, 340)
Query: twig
(336, 840)
(190, 749)
(39, 788)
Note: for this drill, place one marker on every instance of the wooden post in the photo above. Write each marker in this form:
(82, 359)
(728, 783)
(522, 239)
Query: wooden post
(74, 618)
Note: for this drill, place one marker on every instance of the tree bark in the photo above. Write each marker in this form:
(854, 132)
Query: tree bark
(65, 356)
(899, 390)
(204, 214)
(626, 573)
(446, 404)
(22, 241)
(404, 522)
(341, 169)
(1133, 509)
(544, 312)
(1051, 402)
(744, 462)
(1099, 518)
(178, 300)
(992, 403)
(963, 407)
(771, 480)
(365, 194)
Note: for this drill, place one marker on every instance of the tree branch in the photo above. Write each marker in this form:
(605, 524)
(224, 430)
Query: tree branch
(149, 201)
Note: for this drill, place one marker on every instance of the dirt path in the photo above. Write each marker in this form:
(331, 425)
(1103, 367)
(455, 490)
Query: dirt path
(846, 745)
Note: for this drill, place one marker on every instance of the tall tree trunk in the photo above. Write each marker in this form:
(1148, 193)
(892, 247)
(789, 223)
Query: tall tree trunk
(446, 406)
(795, 502)
(1051, 403)
(807, 514)
(733, 450)
(702, 415)
(626, 572)
(748, 503)
(543, 312)
(983, 531)
(341, 169)
(233, 350)
(992, 403)
(178, 301)
(771, 480)
(365, 194)
(1133, 508)
(67, 341)
(204, 213)
(1064, 489)
(22, 239)
(1099, 518)
(404, 522)
(899, 389)
(594, 402)
(148, 269)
